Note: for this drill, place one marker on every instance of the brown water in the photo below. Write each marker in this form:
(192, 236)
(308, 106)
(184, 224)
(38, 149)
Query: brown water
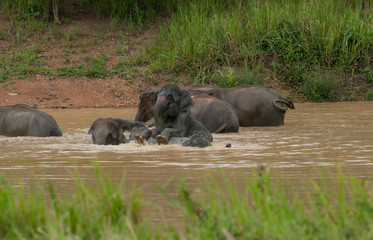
(317, 134)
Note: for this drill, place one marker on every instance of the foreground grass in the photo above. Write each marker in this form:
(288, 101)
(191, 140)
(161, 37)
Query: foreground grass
(256, 209)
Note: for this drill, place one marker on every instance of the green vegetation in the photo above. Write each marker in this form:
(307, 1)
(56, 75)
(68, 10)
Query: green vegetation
(100, 213)
(319, 87)
(293, 37)
(228, 77)
(96, 68)
(222, 42)
(135, 12)
(22, 64)
(254, 209)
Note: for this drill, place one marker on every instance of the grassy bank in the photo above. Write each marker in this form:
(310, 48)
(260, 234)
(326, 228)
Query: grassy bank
(318, 49)
(258, 208)
(314, 47)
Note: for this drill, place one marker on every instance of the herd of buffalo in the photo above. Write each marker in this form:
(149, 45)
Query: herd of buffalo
(185, 116)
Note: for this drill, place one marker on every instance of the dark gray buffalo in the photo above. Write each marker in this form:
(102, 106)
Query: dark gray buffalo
(22, 120)
(255, 105)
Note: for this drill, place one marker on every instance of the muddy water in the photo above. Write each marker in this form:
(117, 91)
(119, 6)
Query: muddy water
(322, 134)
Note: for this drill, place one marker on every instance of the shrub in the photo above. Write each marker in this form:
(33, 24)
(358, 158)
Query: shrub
(319, 87)
(367, 74)
(229, 78)
(369, 94)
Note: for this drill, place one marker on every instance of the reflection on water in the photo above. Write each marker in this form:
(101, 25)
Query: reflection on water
(322, 134)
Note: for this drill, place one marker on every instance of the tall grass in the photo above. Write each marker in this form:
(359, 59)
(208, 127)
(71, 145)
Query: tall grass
(135, 12)
(264, 209)
(291, 37)
(257, 208)
(104, 212)
(26, 9)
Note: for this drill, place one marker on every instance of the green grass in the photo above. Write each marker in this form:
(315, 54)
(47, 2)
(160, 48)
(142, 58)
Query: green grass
(257, 208)
(96, 68)
(135, 12)
(289, 38)
(228, 77)
(320, 87)
(23, 64)
(104, 212)
(214, 41)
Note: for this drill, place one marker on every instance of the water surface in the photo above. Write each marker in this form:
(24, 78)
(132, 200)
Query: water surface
(314, 134)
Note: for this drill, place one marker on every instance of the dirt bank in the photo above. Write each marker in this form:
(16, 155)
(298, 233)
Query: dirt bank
(71, 44)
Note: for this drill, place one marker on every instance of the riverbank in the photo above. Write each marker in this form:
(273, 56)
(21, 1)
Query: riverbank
(56, 73)
(29, 67)
(90, 60)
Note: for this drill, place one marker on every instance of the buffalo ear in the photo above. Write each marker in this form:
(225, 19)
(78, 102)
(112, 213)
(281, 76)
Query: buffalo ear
(186, 101)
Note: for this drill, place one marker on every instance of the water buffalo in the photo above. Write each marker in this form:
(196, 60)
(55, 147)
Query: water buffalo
(173, 117)
(255, 105)
(216, 115)
(23, 120)
(107, 131)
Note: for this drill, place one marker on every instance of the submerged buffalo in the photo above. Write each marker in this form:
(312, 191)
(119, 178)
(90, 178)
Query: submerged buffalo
(255, 105)
(23, 120)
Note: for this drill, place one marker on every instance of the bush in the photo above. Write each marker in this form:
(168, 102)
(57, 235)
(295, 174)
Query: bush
(369, 94)
(230, 78)
(319, 87)
(367, 74)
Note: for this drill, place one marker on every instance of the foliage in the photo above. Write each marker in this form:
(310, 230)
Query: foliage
(263, 209)
(103, 212)
(134, 12)
(369, 94)
(96, 68)
(210, 40)
(228, 77)
(320, 87)
(24, 63)
(298, 35)
(367, 73)
(255, 208)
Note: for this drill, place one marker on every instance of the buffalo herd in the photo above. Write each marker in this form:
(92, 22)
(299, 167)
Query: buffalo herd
(171, 114)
